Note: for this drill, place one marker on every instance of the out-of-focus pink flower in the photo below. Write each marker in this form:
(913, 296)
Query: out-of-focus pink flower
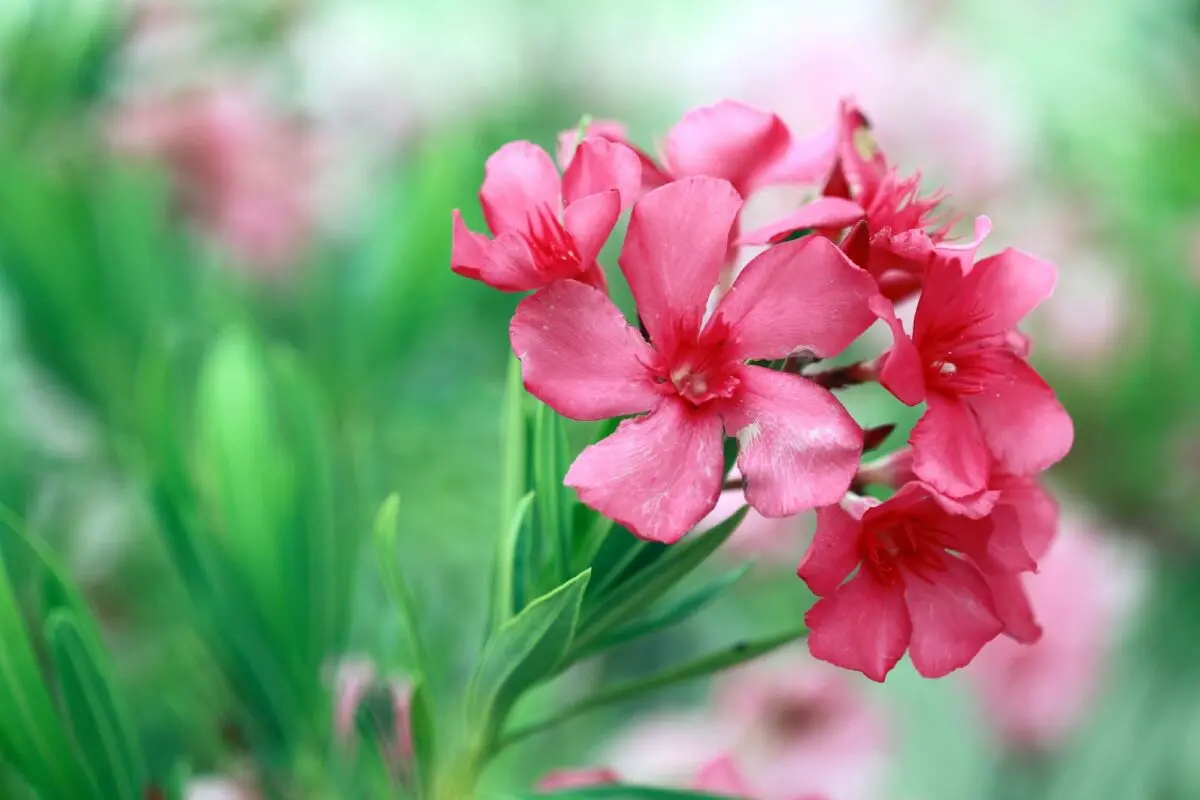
(781, 728)
(577, 778)
(1035, 694)
(661, 473)
(728, 140)
(243, 173)
(547, 228)
(920, 583)
(356, 680)
(985, 404)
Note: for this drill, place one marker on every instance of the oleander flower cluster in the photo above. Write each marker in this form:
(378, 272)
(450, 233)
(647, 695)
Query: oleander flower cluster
(716, 354)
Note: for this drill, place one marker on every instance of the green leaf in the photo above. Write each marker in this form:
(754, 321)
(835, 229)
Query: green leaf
(554, 500)
(633, 597)
(31, 733)
(513, 440)
(511, 567)
(315, 556)
(673, 614)
(702, 667)
(386, 529)
(523, 652)
(424, 735)
(100, 726)
(595, 529)
(245, 474)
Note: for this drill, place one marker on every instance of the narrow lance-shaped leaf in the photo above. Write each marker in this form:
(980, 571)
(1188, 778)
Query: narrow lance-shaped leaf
(31, 733)
(101, 729)
(682, 609)
(386, 529)
(510, 568)
(554, 500)
(315, 556)
(525, 651)
(424, 735)
(634, 597)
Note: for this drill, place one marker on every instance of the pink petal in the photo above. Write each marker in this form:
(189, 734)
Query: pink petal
(721, 777)
(673, 253)
(807, 160)
(504, 263)
(589, 222)
(973, 506)
(963, 253)
(953, 617)
(799, 446)
(658, 475)
(577, 779)
(948, 449)
(578, 354)
(519, 178)
(801, 295)
(863, 626)
(903, 373)
(568, 140)
(833, 553)
(1008, 286)
(1024, 425)
(1013, 608)
(601, 165)
(469, 249)
(824, 212)
(727, 140)
(1025, 505)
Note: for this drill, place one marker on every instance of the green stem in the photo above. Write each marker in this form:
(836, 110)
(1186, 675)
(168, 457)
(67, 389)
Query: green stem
(707, 665)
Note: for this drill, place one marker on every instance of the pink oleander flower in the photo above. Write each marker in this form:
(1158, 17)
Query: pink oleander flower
(357, 681)
(1036, 694)
(922, 581)
(781, 728)
(244, 174)
(900, 229)
(546, 228)
(730, 140)
(1019, 507)
(986, 408)
(661, 473)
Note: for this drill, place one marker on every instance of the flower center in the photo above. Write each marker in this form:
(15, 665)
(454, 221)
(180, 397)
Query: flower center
(554, 251)
(902, 544)
(702, 370)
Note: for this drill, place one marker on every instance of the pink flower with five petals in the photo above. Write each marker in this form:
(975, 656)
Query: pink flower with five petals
(987, 409)
(547, 228)
(920, 583)
(661, 473)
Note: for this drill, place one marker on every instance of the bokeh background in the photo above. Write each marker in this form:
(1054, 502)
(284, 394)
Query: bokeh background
(174, 173)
